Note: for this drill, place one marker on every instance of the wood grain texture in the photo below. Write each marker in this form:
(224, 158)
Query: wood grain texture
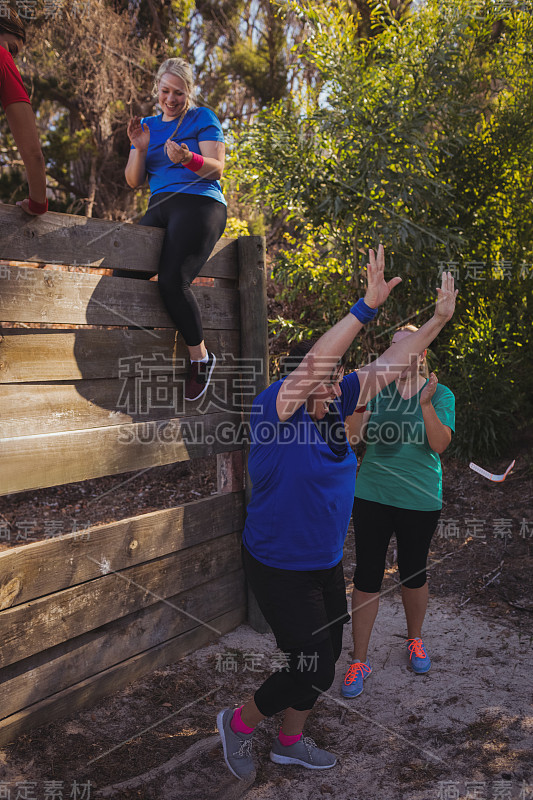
(230, 472)
(32, 409)
(49, 296)
(79, 241)
(88, 692)
(32, 462)
(42, 568)
(31, 627)
(28, 355)
(254, 345)
(56, 668)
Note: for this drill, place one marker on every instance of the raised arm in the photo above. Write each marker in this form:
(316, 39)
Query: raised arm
(21, 121)
(356, 426)
(375, 376)
(321, 360)
(139, 136)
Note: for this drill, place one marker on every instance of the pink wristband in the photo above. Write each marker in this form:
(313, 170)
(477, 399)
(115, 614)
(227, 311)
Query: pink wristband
(195, 163)
(37, 208)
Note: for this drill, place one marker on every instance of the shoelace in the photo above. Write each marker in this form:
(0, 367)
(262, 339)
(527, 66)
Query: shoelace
(310, 745)
(416, 648)
(245, 750)
(354, 670)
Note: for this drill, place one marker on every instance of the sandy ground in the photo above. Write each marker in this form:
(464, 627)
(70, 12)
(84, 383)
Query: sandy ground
(464, 730)
(409, 736)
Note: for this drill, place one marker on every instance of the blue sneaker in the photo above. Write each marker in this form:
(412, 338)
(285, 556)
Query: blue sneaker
(353, 680)
(420, 661)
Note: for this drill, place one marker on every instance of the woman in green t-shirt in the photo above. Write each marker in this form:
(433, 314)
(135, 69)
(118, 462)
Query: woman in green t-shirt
(398, 490)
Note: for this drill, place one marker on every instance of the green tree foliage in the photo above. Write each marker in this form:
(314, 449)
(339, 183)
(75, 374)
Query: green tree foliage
(90, 65)
(87, 70)
(419, 136)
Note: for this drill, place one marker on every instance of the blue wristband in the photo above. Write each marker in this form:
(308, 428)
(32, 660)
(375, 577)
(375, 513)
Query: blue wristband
(362, 312)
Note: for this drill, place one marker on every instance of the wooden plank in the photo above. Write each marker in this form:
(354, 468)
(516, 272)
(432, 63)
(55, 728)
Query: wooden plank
(45, 355)
(30, 409)
(88, 692)
(31, 627)
(32, 462)
(230, 472)
(80, 241)
(254, 346)
(57, 668)
(42, 568)
(49, 296)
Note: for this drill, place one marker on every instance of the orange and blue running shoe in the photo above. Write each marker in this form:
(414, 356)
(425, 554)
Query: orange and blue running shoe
(353, 680)
(420, 661)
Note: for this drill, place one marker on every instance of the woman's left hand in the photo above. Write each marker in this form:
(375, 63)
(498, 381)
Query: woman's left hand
(178, 153)
(429, 390)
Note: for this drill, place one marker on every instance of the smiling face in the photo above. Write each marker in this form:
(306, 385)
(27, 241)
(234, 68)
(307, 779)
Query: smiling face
(172, 96)
(11, 43)
(319, 401)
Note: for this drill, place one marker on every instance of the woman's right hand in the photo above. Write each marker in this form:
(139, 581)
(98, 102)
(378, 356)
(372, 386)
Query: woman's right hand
(139, 135)
(446, 298)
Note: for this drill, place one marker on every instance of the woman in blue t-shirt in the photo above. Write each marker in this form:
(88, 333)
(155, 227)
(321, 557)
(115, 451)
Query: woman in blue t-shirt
(303, 478)
(181, 150)
(398, 490)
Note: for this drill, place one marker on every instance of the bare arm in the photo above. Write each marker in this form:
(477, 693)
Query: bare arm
(21, 121)
(356, 427)
(375, 376)
(320, 362)
(439, 435)
(139, 136)
(135, 171)
(213, 153)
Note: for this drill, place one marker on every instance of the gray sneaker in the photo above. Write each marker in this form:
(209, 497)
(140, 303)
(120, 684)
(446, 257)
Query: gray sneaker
(303, 752)
(237, 746)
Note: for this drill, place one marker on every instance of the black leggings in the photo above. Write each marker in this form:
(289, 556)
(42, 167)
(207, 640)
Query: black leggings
(193, 225)
(311, 671)
(374, 524)
(306, 611)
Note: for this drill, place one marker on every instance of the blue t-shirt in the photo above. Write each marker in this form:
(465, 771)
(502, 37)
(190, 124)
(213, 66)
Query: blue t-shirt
(302, 493)
(198, 125)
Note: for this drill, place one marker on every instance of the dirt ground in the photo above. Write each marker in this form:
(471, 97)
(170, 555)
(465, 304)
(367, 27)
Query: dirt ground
(465, 730)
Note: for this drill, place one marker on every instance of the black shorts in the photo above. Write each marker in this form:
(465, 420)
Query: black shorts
(373, 524)
(301, 607)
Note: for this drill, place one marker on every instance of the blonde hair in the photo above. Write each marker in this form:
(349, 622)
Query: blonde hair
(423, 365)
(179, 68)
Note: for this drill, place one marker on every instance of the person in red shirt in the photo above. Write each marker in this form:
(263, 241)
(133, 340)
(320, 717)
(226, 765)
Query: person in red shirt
(21, 119)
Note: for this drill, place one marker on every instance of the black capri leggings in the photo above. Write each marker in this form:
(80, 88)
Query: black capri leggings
(306, 611)
(193, 225)
(374, 524)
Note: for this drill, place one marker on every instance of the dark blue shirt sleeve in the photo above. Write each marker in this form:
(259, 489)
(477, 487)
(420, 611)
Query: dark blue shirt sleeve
(350, 394)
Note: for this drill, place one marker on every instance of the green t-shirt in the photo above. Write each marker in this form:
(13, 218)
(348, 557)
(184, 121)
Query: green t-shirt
(399, 467)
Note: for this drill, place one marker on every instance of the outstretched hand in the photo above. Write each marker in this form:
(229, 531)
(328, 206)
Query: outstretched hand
(138, 134)
(446, 295)
(378, 289)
